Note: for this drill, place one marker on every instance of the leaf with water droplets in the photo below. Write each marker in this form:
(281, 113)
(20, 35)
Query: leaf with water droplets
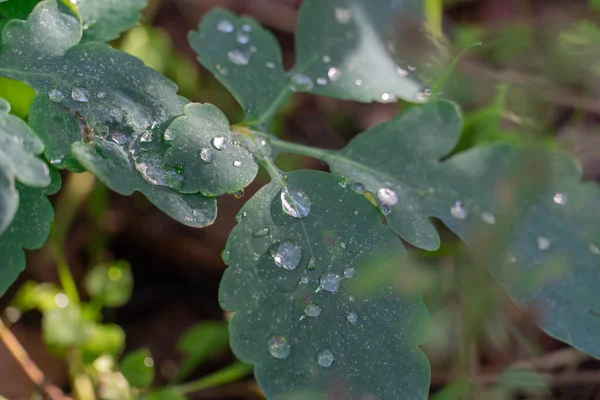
(524, 210)
(28, 230)
(230, 167)
(300, 314)
(111, 112)
(18, 149)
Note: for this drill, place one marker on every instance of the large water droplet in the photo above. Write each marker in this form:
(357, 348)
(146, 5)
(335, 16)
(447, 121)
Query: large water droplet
(459, 211)
(225, 256)
(349, 272)
(261, 232)
(358, 188)
(207, 155)
(312, 310)
(352, 317)
(239, 194)
(80, 94)
(330, 282)
(385, 209)
(387, 196)
(343, 15)
(295, 202)
(237, 163)
(118, 138)
(279, 346)
(325, 358)
(488, 218)
(312, 264)
(56, 95)
(238, 57)
(402, 72)
(225, 26)
(334, 74)
(301, 83)
(220, 142)
(560, 198)
(543, 243)
(286, 254)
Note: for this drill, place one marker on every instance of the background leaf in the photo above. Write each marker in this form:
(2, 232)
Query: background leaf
(137, 369)
(287, 320)
(105, 20)
(110, 284)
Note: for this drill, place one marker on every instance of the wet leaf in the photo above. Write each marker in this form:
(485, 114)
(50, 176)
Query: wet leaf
(300, 315)
(100, 109)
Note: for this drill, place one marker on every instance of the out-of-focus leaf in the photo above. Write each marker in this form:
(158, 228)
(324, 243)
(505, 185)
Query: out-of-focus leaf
(138, 368)
(32, 295)
(111, 284)
(64, 327)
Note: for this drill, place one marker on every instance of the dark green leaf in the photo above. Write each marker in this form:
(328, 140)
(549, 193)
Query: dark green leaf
(28, 230)
(100, 108)
(138, 367)
(111, 284)
(105, 20)
(18, 147)
(373, 335)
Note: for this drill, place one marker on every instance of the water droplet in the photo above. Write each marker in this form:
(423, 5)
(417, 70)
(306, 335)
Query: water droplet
(222, 70)
(238, 57)
(325, 358)
(240, 217)
(352, 317)
(220, 142)
(411, 68)
(355, 213)
(402, 72)
(334, 73)
(349, 272)
(101, 95)
(343, 15)
(80, 94)
(56, 96)
(560, 198)
(207, 155)
(239, 194)
(543, 243)
(295, 202)
(247, 28)
(301, 83)
(594, 249)
(225, 256)
(343, 182)
(322, 81)
(118, 138)
(286, 254)
(359, 82)
(237, 163)
(147, 137)
(330, 282)
(261, 232)
(459, 211)
(312, 310)
(387, 196)
(88, 23)
(326, 59)
(358, 188)
(351, 299)
(388, 97)
(279, 347)
(61, 300)
(270, 65)
(57, 160)
(488, 218)
(312, 264)
(242, 38)
(385, 209)
(225, 26)
(420, 96)
(304, 280)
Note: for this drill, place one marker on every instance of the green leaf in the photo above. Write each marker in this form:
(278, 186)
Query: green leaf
(138, 367)
(111, 284)
(28, 230)
(64, 327)
(536, 229)
(373, 335)
(345, 49)
(199, 343)
(206, 169)
(103, 339)
(105, 20)
(100, 108)
(18, 147)
(32, 295)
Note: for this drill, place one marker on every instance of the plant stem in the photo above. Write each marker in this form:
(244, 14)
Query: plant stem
(433, 13)
(228, 374)
(295, 148)
(32, 371)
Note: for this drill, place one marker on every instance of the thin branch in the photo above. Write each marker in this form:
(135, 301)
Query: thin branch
(31, 370)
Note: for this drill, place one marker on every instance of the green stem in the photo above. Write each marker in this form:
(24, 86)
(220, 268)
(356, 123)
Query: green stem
(295, 148)
(228, 374)
(273, 170)
(433, 13)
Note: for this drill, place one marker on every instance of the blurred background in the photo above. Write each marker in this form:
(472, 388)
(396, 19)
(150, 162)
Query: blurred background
(535, 79)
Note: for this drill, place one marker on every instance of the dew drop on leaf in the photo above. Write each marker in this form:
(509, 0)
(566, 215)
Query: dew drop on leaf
(147, 137)
(301, 83)
(220, 142)
(279, 346)
(287, 255)
(56, 160)
(270, 65)
(488, 218)
(80, 94)
(311, 265)
(240, 217)
(207, 155)
(238, 57)
(334, 74)
(322, 81)
(312, 310)
(459, 211)
(118, 138)
(330, 282)
(295, 202)
(358, 188)
(304, 280)
(325, 358)
(242, 38)
(225, 26)
(225, 256)
(543, 243)
(352, 317)
(402, 72)
(222, 70)
(560, 198)
(343, 15)
(387, 196)
(594, 249)
(388, 97)
(101, 95)
(237, 163)
(261, 232)
(343, 182)
(349, 272)
(385, 209)
(355, 213)
(55, 96)
(239, 194)
(359, 82)
(247, 28)
(326, 59)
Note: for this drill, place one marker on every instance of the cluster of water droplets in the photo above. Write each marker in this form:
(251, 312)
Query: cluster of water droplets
(241, 55)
